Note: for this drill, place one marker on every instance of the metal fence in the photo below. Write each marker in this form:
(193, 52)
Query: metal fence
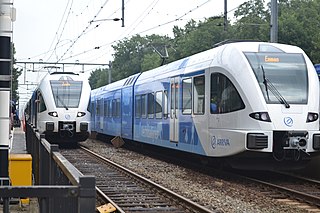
(58, 185)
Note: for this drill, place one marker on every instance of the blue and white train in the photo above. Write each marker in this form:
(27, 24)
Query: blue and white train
(249, 103)
(59, 108)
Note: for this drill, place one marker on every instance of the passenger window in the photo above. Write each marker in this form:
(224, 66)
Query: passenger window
(159, 104)
(150, 105)
(165, 104)
(198, 94)
(98, 107)
(186, 96)
(143, 106)
(109, 109)
(118, 111)
(114, 108)
(138, 106)
(224, 97)
(106, 108)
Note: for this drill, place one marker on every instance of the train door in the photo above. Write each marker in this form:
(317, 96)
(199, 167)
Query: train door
(174, 109)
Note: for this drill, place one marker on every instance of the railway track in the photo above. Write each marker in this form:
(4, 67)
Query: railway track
(126, 190)
(288, 188)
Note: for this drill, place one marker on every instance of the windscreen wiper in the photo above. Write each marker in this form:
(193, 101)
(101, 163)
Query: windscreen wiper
(265, 82)
(61, 101)
(274, 90)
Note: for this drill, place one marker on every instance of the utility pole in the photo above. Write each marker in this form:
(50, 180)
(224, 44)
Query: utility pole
(225, 23)
(6, 18)
(122, 13)
(109, 72)
(274, 21)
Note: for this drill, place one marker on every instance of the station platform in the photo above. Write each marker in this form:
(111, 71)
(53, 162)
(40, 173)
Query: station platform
(17, 142)
(17, 146)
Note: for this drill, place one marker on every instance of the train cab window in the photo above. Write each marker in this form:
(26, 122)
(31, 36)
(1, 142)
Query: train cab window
(186, 96)
(224, 97)
(150, 105)
(66, 93)
(42, 104)
(165, 104)
(198, 94)
(138, 106)
(158, 102)
(143, 106)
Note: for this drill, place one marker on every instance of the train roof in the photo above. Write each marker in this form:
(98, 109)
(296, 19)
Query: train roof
(201, 61)
(126, 82)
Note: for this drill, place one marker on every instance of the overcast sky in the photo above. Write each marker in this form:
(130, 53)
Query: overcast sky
(63, 31)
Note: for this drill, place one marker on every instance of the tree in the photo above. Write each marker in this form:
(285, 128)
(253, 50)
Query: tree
(98, 78)
(16, 72)
(197, 37)
(130, 54)
(253, 21)
(299, 25)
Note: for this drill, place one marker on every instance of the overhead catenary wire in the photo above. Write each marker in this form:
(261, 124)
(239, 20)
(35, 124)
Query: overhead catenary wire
(83, 32)
(100, 48)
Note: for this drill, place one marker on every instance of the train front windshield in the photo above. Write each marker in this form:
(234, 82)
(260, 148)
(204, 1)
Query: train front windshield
(280, 74)
(66, 93)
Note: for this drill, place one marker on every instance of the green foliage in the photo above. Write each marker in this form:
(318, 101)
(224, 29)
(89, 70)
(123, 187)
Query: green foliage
(197, 37)
(253, 21)
(299, 25)
(15, 75)
(98, 78)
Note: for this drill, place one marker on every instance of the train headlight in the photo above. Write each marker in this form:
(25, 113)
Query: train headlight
(53, 114)
(312, 117)
(81, 114)
(261, 116)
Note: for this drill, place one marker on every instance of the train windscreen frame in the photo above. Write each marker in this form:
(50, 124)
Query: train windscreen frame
(66, 93)
(284, 73)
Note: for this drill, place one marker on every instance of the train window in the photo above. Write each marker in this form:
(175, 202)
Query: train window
(118, 107)
(143, 106)
(186, 96)
(224, 97)
(165, 104)
(280, 74)
(98, 107)
(138, 106)
(198, 94)
(114, 106)
(158, 102)
(66, 94)
(106, 108)
(42, 104)
(150, 105)
(109, 109)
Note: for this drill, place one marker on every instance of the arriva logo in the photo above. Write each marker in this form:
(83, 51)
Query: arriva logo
(219, 142)
(288, 121)
(213, 142)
